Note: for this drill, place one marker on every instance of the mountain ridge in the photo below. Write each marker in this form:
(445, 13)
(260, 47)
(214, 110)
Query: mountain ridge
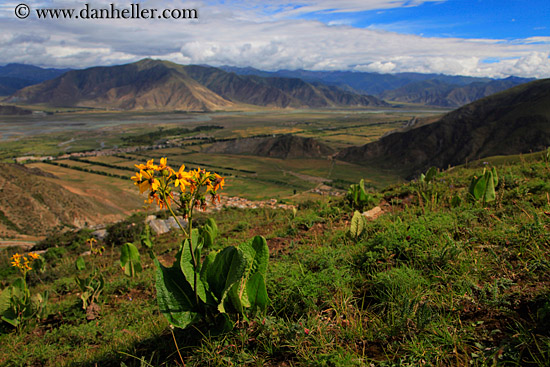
(160, 85)
(511, 122)
(429, 89)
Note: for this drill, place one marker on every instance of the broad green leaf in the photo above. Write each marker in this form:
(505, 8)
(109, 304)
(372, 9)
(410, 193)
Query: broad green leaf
(5, 300)
(80, 263)
(175, 297)
(257, 291)
(256, 254)
(357, 224)
(479, 187)
(188, 269)
(228, 268)
(130, 260)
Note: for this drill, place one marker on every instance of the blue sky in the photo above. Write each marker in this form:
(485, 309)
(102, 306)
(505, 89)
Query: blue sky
(456, 37)
(505, 19)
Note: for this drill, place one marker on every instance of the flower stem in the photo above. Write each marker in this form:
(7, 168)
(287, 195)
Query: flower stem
(189, 237)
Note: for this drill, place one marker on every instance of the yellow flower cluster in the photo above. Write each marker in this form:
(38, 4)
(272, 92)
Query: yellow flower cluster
(22, 262)
(95, 250)
(158, 180)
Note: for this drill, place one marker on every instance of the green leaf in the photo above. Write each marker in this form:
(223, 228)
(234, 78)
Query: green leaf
(357, 224)
(209, 232)
(430, 175)
(479, 187)
(228, 268)
(257, 291)
(80, 264)
(489, 194)
(256, 254)
(175, 296)
(5, 300)
(130, 260)
(188, 269)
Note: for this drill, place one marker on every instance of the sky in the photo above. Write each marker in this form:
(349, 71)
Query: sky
(487, 38)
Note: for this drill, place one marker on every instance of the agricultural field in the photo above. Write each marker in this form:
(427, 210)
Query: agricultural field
(441, 276)
(184, 137)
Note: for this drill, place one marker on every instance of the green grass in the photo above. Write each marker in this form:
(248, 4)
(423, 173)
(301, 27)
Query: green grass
(424, 284)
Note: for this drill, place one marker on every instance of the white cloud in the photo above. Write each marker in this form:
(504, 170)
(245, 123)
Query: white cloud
(267, 37)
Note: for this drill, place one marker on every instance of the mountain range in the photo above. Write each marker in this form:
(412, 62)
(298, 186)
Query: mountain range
(511, 122)
(162, 85)
(428, 89)
(16, 76)
(154, 84)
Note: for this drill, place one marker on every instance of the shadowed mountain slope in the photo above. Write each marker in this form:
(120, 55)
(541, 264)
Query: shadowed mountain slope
(438, 93)
(275, 91)
(284, 146)
(511, 122)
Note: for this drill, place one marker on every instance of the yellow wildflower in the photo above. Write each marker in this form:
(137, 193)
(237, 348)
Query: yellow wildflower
(181, 178)
(149, 166)
(34, 255)
(218, 183)
(137, 178)
(162, 164)
(149, 182)
(16, 260)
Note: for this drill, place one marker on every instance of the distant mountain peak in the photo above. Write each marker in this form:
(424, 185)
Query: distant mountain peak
(150, 84)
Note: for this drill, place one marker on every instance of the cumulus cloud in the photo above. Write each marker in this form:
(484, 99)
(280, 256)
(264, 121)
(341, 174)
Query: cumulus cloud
(269, 37)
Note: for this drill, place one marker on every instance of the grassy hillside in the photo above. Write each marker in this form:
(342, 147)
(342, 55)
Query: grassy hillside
(511, 122)
(434, 280)
(35, 202)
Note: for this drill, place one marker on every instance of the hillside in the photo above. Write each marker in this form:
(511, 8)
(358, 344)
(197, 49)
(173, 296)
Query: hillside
(34, 203)
(511, 122)
(433, 279)
(439, 93)
(160, 85)
(7, 110)
(284, 146)
(276, 91)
